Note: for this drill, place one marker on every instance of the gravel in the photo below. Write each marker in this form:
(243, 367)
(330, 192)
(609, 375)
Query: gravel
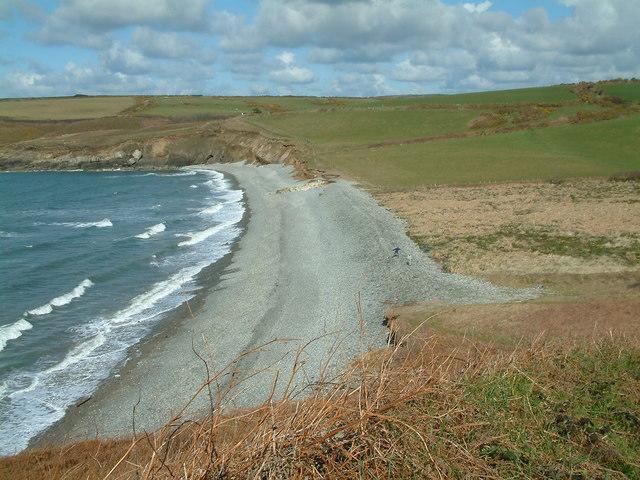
(307, 261)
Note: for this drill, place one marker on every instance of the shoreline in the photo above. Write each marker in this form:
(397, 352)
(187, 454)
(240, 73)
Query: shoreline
(207, 280)
(296, 273)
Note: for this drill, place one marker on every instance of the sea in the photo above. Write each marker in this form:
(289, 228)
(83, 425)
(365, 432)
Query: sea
(90, 264)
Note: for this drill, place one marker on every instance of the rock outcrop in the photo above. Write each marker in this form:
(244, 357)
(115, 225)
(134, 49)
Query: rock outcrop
(212, 142)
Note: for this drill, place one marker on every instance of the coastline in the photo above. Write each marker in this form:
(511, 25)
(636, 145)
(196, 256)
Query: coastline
(207, 280)
(294, 277)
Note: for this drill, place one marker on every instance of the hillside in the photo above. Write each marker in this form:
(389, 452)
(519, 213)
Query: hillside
(535, 188)
(390, 142)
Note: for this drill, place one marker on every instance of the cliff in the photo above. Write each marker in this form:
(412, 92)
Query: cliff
(157, 147)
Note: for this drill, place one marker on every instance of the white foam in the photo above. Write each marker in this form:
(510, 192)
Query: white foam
(212, 173)
(233, 196)
(151, 231)
(32, 386)
(80, 352)
(230, 197)
(197, 237)
(13, 331)
(104, 223)
(211, 210)
(75, 293)
(193, 186)
(158, 292)
(43, 310)
(63, 299)
(184, 173)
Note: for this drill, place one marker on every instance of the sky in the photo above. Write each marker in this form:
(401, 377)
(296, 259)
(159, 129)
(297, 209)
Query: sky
(311, 47)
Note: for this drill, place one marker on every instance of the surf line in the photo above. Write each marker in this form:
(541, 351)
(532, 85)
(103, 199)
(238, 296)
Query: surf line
(13, 331)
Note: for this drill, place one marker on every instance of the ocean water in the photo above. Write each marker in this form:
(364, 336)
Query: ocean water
(90, 263)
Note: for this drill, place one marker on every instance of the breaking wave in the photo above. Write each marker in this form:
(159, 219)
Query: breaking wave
(104, 223)
(13, 331)
(151, 231)
(62, 299)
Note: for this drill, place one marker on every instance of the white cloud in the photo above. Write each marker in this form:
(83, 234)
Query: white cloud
(287, 58)
(290, 73)
(357, 47)
(158, 44)
(477, 7)
(27, 83)
(406, 71)
(120, 58)
(93, 80)
(476, 82)
(360, 85)
(103, 15)
(90, 23)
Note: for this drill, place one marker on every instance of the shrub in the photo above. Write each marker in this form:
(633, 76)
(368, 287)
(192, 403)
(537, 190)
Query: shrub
(626, 177)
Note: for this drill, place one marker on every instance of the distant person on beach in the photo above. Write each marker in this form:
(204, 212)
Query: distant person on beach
(396, 251)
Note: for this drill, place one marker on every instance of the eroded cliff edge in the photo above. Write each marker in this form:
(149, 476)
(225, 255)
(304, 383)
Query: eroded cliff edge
(154, 146)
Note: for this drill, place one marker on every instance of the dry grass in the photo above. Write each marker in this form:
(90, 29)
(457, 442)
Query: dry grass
(441, 410)
(575, 227)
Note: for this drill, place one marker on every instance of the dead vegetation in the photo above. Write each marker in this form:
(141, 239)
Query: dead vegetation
(569, 227)
(442, 407)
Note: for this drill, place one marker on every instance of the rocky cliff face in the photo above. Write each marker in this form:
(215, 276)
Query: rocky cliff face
(213, 142)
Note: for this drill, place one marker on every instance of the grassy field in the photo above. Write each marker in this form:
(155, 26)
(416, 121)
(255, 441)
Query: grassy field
(12, 131)
(195, 106)
(64, 108)
(554, 94)
(337, 128)
(594, 149)
(626, 91)
(386, 142)
(570, 110)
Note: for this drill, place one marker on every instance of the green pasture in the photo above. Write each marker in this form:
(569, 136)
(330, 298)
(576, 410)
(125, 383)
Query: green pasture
(629, 91)
(330, 129)
(583, 150)
(71, 108)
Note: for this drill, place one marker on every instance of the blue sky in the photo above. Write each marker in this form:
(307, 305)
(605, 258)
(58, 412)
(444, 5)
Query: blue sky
(311, 47)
